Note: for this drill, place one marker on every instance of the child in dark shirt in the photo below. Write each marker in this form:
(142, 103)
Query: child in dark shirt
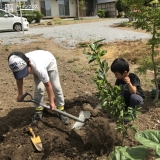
(128, 82)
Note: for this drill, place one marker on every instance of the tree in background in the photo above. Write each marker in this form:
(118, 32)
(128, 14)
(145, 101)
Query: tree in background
(82, 7)
(129, 6)
(119, 6)
(147, 18)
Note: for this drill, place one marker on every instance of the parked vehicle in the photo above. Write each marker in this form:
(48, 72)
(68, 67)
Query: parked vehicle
(9, 21)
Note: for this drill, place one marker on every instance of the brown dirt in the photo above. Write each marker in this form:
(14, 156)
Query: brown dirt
(57, 21)
(95, 140)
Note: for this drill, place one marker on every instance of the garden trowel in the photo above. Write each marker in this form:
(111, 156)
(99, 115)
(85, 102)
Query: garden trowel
(36, 140)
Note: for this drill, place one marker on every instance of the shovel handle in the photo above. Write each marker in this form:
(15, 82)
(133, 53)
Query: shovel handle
(47, 106)
(24, 96)
(63, 113)
(31, 131)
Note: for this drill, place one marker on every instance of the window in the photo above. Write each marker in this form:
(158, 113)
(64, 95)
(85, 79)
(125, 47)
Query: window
(28, 2)
(110, 7)
(2, 14)
(63, 7)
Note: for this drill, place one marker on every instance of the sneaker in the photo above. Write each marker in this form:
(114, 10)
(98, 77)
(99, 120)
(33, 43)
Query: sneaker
(37, 116)
(64, 119)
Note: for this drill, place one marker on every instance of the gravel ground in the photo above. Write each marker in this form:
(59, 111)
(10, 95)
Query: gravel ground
(69, 35)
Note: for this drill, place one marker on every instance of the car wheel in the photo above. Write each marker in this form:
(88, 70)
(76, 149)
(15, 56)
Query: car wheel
(17, 27)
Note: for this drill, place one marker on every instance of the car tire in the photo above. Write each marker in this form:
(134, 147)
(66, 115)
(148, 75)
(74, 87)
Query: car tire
(17, 27)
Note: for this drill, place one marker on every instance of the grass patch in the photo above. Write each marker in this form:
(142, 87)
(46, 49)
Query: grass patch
(73, 60)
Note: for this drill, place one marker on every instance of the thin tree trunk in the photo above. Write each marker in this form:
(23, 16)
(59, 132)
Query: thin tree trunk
(155, 69)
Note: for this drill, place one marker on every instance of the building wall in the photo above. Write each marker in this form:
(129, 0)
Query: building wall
(55, 8)
(109, 6)
(93, 5)
(72, 7)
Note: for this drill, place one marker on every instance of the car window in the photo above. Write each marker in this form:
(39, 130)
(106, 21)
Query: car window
(2, 14)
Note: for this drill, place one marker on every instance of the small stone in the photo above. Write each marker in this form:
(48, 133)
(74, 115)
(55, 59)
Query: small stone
(49, 23)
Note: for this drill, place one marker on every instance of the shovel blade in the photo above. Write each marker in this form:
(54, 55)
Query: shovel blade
(82, 116)
(37, 143)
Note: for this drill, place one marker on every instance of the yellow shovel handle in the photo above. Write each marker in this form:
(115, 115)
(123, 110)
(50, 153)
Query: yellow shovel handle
(31, 131)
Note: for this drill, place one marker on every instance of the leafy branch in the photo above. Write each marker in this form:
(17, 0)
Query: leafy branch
(109, 95)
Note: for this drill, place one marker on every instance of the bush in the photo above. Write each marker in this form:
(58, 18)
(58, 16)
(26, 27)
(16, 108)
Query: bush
(123, 24)
(102, 13)
(38, 16)
(28, 15)
(32, 15)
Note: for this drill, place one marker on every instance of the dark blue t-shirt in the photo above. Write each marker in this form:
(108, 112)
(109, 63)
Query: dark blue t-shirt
(135, 81)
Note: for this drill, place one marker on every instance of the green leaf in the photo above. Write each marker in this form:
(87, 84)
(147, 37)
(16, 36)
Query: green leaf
(103, 53)
(82, 45)
(91, 58)
(134, 153)
(158, 150)
(117, 154)
(99, 46)
(93, 46)
(105, 65)
(121, 113)
(149, 138)
(128, 153)
(99, 41)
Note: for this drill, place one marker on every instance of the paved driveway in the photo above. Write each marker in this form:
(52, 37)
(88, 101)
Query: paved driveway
(69, 35)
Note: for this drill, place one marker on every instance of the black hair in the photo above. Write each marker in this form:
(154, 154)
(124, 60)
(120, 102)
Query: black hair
(120, 65)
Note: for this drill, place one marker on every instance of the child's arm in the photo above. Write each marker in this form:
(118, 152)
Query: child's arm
(20, 88)
(132, 89)
(50, 94)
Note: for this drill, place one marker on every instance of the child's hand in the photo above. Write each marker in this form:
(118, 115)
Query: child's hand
(53, 106)
(127, 80)
(19, 98)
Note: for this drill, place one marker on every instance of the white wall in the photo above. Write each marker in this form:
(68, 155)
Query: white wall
(54, 8)
(36, 2)
(72, 8)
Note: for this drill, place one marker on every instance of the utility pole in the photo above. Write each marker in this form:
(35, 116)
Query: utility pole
(21, 15)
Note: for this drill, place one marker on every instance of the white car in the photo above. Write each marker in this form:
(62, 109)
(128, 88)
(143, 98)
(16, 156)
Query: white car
(9, 21)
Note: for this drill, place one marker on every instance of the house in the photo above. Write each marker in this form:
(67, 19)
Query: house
(63, 8)
(108, 5)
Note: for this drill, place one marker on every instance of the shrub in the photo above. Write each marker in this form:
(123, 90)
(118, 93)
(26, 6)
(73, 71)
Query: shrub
(38, 16)
(32, 15)
(123, 24)
(28, 15)
(102, 13)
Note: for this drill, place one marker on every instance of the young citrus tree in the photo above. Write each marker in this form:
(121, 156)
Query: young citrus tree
(109, 95)
(148, 19)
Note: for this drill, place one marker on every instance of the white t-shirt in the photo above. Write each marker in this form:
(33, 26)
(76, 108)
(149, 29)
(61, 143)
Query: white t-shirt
(41, 63)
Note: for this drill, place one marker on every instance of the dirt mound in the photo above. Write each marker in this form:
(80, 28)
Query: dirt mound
(94, 139)
(96, 136)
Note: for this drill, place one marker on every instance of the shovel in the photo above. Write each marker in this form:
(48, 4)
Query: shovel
(81, 119)
(36, 140)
